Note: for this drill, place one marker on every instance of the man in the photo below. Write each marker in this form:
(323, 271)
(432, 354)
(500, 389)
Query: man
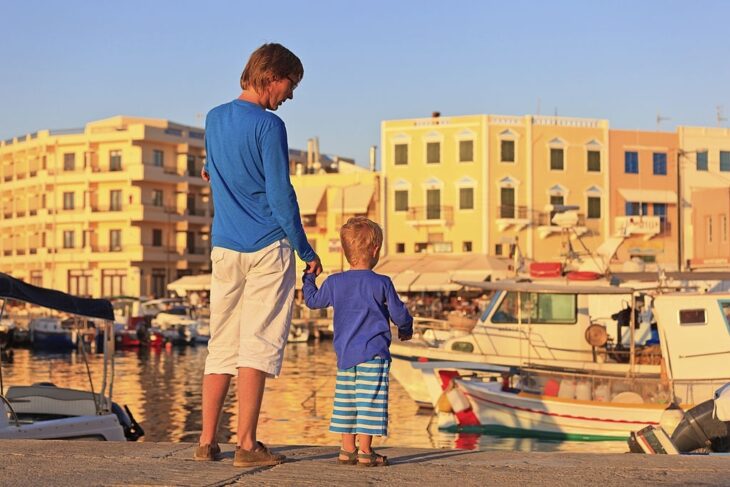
(256, 229)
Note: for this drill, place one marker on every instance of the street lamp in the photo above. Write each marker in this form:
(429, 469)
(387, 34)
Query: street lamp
(680, 231)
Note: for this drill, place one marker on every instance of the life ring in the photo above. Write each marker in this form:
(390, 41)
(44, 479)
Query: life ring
(583, 276)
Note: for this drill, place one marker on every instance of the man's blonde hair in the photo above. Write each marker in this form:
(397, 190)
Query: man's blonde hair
(360, 237)
(268, 63)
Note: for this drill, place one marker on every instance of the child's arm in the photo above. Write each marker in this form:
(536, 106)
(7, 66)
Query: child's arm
(399, 313)
(313, 297)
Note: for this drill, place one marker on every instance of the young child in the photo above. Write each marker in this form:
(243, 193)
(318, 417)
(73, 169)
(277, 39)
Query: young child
(364, 302)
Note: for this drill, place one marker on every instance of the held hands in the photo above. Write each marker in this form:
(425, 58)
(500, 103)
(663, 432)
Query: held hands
(204, 174)
(404, 338)
(314, 266)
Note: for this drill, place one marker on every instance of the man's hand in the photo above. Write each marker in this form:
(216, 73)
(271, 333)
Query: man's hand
(204, 174)
(404, 338)
(314, 266)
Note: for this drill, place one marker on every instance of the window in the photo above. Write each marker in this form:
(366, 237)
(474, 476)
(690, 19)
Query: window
(433, 152)
(192, 171)
(309, 221)
(158, 158)
(556, 159)
(555, 200)
(498, 249)
(113, 282)
(401, 154)
(507, 202)
(159, 279)
(115, 160)
(660, 210)
(466, 198)
(708, 223)
(692, 317)
(157, 197)
(466, 151)
(507, 151)
(115, 240)
(723, 227)
(115, 200)
(433, 204)
(420, 247)
(401, 200)
(537, 308)
(466, 247)
(594, 161)
(724, 161)
(594, 207)
(68, 201)
(69, 161)
(631, 162)
(36, 278)
(636, 209)
(68, 239)
(464, 347)
(702, 160)
(443, 247)
(400, 248)
(660, 163)
(157, 237)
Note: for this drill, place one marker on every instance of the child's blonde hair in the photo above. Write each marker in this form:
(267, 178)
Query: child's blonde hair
(360, 237)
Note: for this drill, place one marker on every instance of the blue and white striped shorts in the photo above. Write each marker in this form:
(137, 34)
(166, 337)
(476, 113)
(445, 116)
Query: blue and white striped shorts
(361, 399)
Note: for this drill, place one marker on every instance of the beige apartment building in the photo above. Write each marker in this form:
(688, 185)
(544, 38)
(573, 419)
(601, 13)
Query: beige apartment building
(115, 208)
(489, 184)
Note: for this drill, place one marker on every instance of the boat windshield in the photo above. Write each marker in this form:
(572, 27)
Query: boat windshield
(537, 308)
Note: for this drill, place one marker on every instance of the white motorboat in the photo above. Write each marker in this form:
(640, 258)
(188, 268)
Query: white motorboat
(44, 411)
(577, 403)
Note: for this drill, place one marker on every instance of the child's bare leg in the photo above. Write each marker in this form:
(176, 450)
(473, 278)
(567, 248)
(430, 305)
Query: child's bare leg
(348, 444)
(365, 441)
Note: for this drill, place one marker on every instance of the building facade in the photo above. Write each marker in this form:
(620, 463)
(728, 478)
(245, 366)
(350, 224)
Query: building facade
(115, 208)
(489, 184)
(643, 171)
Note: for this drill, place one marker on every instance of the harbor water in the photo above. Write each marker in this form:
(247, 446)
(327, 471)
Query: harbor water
(163, 390)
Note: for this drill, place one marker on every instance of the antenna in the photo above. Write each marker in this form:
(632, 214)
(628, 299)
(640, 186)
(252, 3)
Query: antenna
(719, 115)
(660, 119)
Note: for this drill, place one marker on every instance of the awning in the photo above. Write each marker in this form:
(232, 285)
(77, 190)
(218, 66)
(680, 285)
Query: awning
(649, 196)
(357, 199)
(309, 199)
(201, 282)
(434, 281)
(470, 275)
(402, 281)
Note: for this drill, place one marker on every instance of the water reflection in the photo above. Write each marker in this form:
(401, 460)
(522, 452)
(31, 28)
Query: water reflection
(162, 388)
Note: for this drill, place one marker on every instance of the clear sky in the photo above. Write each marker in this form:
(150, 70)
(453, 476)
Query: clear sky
(65, 63)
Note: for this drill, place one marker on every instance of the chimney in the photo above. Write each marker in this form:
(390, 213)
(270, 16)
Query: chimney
(315, 146)
(310, 156)
(373, 157)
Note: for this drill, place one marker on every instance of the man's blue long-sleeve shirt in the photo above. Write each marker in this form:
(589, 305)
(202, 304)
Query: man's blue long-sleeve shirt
(247, 158)
(363, 302)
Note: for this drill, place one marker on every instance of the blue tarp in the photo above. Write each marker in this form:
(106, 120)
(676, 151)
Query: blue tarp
(12, 288)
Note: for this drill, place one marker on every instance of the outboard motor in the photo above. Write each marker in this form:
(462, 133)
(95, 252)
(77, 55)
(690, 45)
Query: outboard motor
(702, 429)
(132, 430)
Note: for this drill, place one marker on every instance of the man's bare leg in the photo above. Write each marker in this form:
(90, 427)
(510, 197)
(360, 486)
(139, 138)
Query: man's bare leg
(250, 386)
(215, 389)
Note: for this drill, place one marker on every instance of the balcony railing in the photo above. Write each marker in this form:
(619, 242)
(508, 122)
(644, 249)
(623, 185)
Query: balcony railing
(426, 214)
(545, 219)
(648, 226)
(196, 250)
(196, 211)
(514, 212)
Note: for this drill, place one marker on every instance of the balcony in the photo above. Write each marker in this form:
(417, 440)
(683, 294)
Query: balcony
(430, 215)
(510, 215)
(646, 226)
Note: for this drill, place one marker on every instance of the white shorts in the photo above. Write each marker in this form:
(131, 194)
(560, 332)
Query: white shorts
(251, 297)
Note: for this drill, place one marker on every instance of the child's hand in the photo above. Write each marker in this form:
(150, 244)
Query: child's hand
(403, 337)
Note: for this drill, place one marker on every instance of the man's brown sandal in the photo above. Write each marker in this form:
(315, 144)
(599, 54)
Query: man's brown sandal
(372, 460)
(261, 456)
(207, 453)
(351, 457)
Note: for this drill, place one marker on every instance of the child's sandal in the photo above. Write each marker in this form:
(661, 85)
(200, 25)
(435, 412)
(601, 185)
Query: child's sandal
(351, 457)
(372, 460)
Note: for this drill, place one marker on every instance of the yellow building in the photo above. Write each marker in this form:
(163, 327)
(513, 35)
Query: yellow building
(484, 184)
(117, 207)
(327, 200)
(704, 163)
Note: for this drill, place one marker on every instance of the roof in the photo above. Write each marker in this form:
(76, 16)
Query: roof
(356, 199)
(649, 195)
(434, 272)
(563, 287)
(309, 198)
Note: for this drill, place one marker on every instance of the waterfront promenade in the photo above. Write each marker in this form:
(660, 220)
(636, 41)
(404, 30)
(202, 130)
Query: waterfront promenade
(59, 463)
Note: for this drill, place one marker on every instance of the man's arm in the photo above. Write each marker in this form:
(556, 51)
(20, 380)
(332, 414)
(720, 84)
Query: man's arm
(399, 313)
